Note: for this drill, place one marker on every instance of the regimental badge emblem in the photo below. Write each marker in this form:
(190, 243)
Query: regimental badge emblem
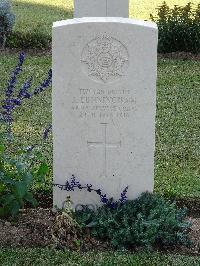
(105, 59)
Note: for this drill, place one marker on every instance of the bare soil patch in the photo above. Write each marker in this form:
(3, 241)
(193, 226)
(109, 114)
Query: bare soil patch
(33, 228)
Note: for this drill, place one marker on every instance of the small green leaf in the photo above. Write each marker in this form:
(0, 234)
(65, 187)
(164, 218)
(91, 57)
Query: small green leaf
(27, 179)
(14, 208)
(39, 155)
(29, 197)
(2, 188)
(20, 189)
(43, 170)
(2, 212)
(91, 224)
(6, 180)
(1, 148)
(7, 199)
(20, 166)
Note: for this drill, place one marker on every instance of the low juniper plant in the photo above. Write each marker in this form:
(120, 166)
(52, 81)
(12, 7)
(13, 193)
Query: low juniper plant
(147, 221)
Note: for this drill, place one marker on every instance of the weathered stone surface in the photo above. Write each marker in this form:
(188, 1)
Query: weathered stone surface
(104, 104)
(101, 8)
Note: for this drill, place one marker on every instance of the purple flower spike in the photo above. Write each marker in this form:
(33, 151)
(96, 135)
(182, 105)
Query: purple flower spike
(23, 93)
(47, 131)
(74, 183)
(89, 188)
(13, 80)
(124, 195)
(9, 103)
(104, 199)
(44, 84)
(21, 58)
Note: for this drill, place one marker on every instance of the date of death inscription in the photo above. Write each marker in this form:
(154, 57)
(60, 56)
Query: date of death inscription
(102, 103)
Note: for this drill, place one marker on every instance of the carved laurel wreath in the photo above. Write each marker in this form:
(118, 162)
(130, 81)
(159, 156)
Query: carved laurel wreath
(105, 59)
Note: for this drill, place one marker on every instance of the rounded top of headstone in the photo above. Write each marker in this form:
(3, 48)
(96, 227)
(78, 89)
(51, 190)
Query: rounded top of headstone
(127, 21)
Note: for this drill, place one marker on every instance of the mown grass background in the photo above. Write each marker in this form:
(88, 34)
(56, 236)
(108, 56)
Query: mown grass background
(34, 18)
(43, 257)
(177, 165)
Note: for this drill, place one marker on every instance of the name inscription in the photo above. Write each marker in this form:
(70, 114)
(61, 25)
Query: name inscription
(103, 103)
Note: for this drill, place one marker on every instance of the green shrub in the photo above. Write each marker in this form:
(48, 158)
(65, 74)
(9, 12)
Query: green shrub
(34, 39)
(179, 28)
(146, 221)
(7, 19)
(17, 175)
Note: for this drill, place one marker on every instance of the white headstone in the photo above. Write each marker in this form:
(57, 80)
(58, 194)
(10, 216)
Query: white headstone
(101, 8)
(104, 105)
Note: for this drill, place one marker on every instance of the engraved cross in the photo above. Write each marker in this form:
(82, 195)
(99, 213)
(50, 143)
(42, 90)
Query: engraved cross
(105, 144)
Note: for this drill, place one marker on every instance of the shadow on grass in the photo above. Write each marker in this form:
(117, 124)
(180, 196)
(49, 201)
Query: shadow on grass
(34, 23)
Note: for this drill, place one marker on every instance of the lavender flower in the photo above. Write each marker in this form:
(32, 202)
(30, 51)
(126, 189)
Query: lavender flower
(123, 198)
(23, 93)
(68, 186)
(112, 204)
(10, 103)
(44, 84)
(74, 183)
(13, 80)
(104, 198)
(47, 131)
(89, 188)
(98, 191)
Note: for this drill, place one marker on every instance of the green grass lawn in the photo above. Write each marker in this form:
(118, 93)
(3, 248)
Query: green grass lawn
(177, 165)
(34, 18)
(43, 257)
